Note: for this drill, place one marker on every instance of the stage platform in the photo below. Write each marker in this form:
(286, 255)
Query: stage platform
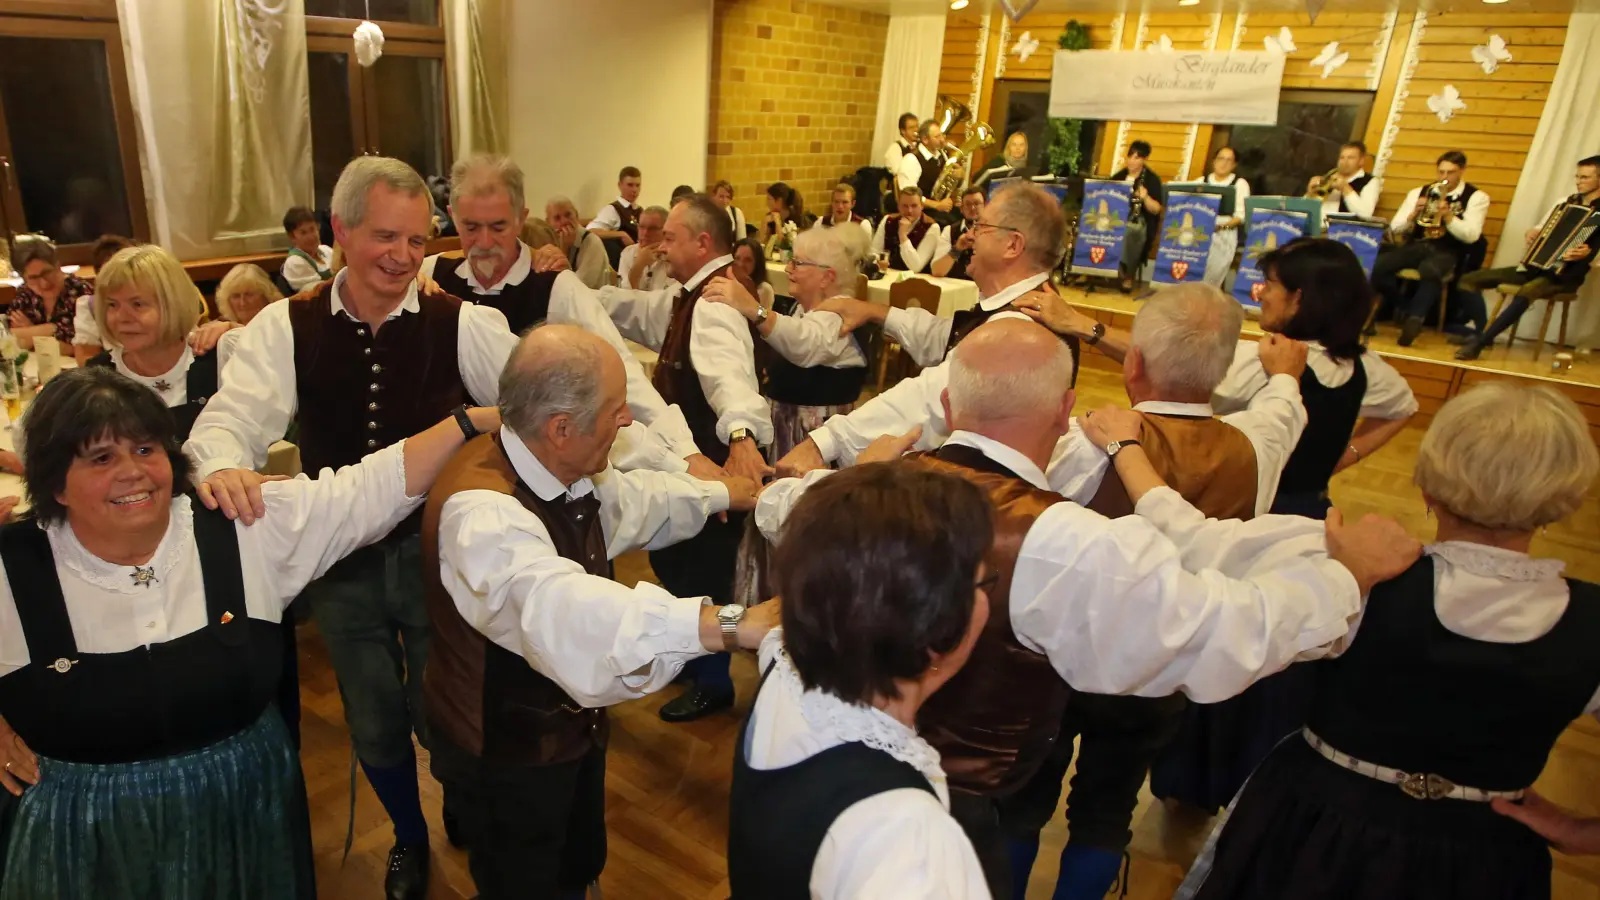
(1429, 364)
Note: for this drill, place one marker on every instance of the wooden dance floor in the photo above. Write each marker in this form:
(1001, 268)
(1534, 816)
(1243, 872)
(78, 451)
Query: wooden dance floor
(667, 785)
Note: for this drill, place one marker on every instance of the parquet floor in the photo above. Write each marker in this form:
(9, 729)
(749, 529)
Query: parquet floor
(667, 785)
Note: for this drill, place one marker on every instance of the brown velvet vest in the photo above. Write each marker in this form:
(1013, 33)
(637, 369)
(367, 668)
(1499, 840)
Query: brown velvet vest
(995, 721)
(1208, 462)
(480, 696)
(675, 376)
(891, 241)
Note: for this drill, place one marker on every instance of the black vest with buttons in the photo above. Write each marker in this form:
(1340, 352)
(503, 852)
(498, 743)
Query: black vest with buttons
(200, 384)
(524, 305)
(1459, 207)
(932, 168)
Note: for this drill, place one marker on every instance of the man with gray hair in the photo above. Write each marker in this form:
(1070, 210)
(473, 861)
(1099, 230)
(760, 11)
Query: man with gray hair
(1099, 604)
(532, 638)
(643, 265)
(585, 251)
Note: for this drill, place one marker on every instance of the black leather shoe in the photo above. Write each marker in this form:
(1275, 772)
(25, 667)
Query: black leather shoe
(1409, 330)
(408, 872)
(1470, 349)
(1459, 339)
(696, 703)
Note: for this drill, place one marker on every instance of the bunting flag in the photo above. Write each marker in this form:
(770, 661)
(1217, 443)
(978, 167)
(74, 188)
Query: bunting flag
(1269, 229)
(1190, 219)
(1101, 227)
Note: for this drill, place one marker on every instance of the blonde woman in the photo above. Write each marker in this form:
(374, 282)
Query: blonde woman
(1450, 690)
(146, 308)
(245, 291)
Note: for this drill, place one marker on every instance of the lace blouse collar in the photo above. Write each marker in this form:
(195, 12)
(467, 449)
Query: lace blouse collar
(1496, 562)
(71, 555)
(830, 716)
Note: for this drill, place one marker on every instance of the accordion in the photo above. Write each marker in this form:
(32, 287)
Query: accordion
(1569, 225)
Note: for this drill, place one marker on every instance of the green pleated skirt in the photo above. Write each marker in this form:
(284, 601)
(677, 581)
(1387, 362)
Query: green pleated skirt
(227, 822)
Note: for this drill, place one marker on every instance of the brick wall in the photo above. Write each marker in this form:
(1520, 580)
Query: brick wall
(794, 97)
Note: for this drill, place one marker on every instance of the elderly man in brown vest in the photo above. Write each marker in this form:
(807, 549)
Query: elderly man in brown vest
(1102, 605)
(532, 638)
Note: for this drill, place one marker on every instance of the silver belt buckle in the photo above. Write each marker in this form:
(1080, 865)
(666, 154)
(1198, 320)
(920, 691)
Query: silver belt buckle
(1426, 787)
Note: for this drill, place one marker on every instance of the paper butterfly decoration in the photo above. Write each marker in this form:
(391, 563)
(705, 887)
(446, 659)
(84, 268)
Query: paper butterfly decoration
(1160, 45)
(1492, 54)
(1016, 9)
(1282, 43)
(1446, 103)
(1025, 46)
(1330, 59)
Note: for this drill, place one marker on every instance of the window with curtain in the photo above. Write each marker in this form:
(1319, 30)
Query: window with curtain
(398, 107)
(69, 164)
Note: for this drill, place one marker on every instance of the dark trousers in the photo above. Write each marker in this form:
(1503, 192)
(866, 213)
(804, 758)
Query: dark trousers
(703, 566)
(979, 817)
(1532, 286)
(533, 832)
(1433, 261)
(1119, 738)
(1135, 246)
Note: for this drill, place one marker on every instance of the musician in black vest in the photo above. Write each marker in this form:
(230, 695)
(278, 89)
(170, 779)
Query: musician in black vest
(1145, 202)
(907, 240)
(1434, 252)
(1537, 285)
(922, 167)
(619, 219)
(1353, 191)
(363, 363)
(955, 242)
(523, 669)
(707, 367)
(903, 143)
(1017, 242)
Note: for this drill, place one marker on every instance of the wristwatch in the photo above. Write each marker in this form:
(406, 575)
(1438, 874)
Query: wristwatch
(1095, 334)
(1115, 447)
(761, 314)
(739, 434)
(728, 617)
(468, 430)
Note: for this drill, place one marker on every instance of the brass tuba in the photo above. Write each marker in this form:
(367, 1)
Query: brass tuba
(979, 137)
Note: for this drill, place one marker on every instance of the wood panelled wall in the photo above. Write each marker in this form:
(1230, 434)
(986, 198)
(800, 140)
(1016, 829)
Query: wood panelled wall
(1401, 61)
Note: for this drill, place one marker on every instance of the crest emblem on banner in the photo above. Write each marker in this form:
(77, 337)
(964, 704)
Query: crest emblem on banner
(1256, 289)
(1096, 254)
(1180, 268)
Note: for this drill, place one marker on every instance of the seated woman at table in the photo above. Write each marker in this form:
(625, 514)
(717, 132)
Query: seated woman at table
(245, 291)
(85, 333)
(750, 259)
(146, 308)
(157, 763)
(47, 301)
(785, 206)
(1449, 691)
(834, 793)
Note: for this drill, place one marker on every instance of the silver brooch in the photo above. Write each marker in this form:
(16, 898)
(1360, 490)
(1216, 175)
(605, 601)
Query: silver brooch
(63, 665)
(143, 576)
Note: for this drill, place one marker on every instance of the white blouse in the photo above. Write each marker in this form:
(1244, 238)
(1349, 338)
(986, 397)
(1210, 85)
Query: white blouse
(897, 845)
(812, 339)
(1388, 395)
(309, 526)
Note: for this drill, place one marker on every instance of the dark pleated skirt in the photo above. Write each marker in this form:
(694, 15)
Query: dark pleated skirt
(1220, 744)
(227, 822)
(1308, 829)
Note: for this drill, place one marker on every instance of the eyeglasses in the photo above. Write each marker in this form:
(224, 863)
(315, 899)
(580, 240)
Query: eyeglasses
(795, 262)
(980, 226)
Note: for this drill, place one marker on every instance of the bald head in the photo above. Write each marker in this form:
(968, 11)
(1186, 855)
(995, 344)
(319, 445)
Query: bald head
(1008, 369)
(557, 370)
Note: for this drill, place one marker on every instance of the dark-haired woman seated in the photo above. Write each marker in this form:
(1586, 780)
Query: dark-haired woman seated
(139, 651)
(834, 794)
(1449, 692)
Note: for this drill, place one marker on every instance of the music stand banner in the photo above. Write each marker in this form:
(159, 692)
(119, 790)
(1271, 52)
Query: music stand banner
(1269, 230)
(1191, 219)
(1101, 227)
(1362, 236)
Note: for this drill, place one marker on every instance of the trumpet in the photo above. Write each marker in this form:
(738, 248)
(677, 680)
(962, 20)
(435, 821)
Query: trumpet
(1327, 184)
(1431, 219)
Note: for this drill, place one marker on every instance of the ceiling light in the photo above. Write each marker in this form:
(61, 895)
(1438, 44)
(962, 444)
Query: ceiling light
(1494, 1)
(962, 4)
(1197, 2)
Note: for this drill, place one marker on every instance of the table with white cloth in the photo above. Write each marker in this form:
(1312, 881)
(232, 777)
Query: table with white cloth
(957, 293)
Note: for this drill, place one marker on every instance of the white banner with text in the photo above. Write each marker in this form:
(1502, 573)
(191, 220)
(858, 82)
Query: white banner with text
(1237, 87)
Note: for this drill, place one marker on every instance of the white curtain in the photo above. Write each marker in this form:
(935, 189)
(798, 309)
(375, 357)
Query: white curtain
(477, 35)
(910, 82)
(1568, 131)
(222, 106)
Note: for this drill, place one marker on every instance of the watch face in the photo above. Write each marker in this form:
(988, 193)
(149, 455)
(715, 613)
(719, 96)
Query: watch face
(731, 613)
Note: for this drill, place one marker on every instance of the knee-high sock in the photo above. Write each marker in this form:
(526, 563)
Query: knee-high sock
(1086, 872)
(1021, 854)
(396, 787)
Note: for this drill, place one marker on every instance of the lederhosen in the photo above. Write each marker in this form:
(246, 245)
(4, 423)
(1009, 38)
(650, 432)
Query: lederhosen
(200, 382)
(891, 241)
(524, 305)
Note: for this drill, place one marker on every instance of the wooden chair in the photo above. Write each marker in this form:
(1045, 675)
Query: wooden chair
(1445, 286)
(912, 293)
(1509, 290)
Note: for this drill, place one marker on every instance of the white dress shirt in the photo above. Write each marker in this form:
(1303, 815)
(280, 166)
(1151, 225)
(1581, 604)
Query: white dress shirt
(309, 526)
(913, 401)
(720, 348)
(915, 256)
(1119, 609)
(1241, 193)
(1467, 227)
(607, 219)
(1273, 424)
(85, 330)
(258, 398)
(603, 643)
(893, 153)
(1388, 395)
(909, 170)
(812, 338)
(865, 224)
(658, 275)
(897, 845)
(737, 215)
(659, 437)
(1363, 203)
(301, 274)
